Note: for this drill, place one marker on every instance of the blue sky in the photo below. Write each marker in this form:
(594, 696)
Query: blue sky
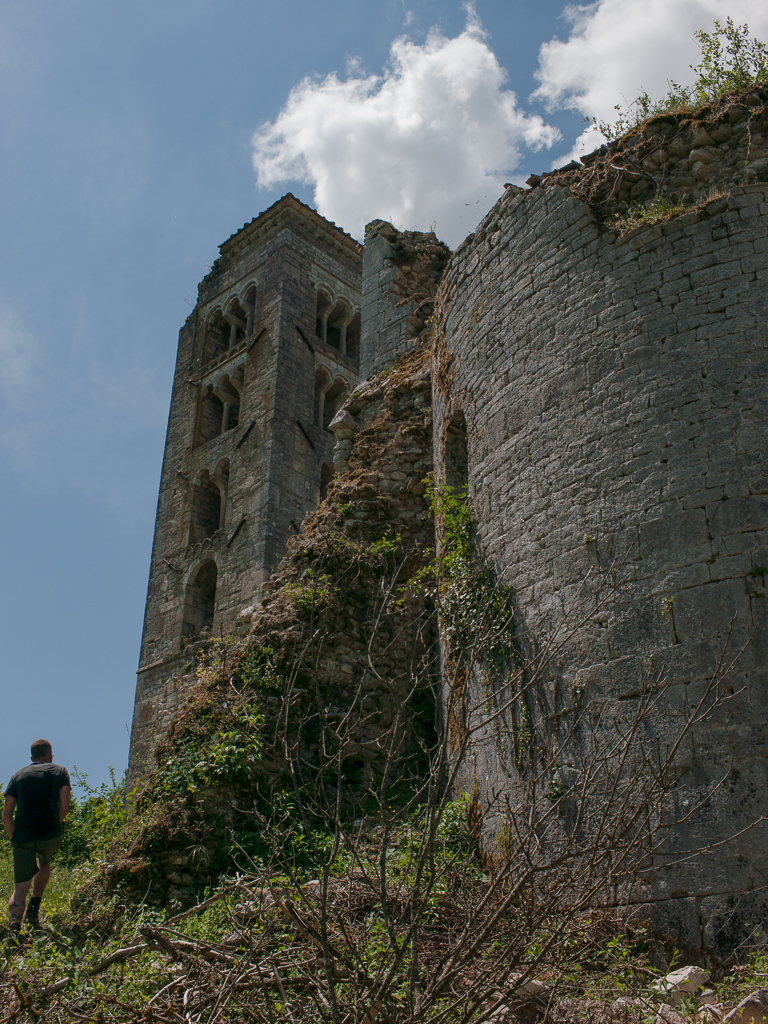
(136, 136)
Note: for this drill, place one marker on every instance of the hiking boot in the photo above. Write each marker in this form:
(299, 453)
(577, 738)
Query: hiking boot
(33, 911)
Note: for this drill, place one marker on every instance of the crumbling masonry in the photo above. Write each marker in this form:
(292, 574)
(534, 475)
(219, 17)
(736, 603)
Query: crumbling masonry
(601, 392)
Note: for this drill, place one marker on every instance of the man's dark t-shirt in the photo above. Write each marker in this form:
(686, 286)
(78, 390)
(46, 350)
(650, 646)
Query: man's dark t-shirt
(36, 791)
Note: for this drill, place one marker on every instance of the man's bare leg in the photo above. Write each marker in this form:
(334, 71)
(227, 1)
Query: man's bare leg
(18, 901)
(40, 880)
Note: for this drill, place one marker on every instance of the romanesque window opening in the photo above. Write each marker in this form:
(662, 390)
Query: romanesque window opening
(250, 304)
(339, 321)
(323, 381)
(323, 307)
(237, 318)
(337, 325)
(216, 339)
(334, 398)
(225, 331)
(211, 416)
(229, 390)
(200, 602)
(220, 406)
(456, 458)
(207, 509)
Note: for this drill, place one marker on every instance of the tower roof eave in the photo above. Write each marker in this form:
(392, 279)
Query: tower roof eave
(289, 202)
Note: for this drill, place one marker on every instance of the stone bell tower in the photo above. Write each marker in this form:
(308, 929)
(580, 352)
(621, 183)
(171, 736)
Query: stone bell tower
(264, 361)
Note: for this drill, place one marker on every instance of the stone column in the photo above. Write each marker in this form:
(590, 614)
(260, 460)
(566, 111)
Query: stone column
(343, 334)
(324, 325)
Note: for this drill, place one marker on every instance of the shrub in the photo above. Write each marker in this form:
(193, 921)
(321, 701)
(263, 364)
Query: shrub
(731, 61)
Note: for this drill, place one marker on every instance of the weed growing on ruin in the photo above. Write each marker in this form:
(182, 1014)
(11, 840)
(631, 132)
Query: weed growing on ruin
(654, 211)
(358, 888)
(659, 210)
(476, 611)
(259, 669)
(224, 755)
(313, 593)
(731, 60)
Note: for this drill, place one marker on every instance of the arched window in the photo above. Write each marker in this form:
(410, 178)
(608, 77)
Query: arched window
(251, 305)
(322, 383)
(456, 460)
(339, 319)
(334, 321)
(211, 416)
(207, 509)
(327, 473)
(216, 340)
(200, 603)
(221, 479)
(323, 307)
(228, 391)
(237, 318)
(334, 399)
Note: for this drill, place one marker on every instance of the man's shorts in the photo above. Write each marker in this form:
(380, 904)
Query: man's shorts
(26, 854)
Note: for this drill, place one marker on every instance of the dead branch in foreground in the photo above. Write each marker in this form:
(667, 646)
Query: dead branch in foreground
(409, 916)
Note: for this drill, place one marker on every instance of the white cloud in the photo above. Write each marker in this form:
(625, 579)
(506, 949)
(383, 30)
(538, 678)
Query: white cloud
(432, 139)
(617, 49)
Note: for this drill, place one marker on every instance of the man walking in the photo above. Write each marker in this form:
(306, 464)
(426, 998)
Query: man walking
(40, 796)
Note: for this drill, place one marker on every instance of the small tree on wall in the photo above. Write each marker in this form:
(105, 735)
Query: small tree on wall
(731, 60)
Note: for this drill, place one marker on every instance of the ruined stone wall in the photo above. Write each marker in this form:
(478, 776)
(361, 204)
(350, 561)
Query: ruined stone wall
(613, 388)
(673, 158)
(401, 270)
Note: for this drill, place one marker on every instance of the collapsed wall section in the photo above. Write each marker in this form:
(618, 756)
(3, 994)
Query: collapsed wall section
(613, 391)
(336, 657)
(401, 271)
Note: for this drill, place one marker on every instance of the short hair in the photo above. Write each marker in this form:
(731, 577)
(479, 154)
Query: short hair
(40, 748)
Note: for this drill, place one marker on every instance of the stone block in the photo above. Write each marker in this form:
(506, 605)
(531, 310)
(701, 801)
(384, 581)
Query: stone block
(672, 532)
(730, 919)
(709, 610)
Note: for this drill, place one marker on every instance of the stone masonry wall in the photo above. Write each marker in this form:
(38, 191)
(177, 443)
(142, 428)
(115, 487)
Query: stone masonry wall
(614, 394)
(401, 271)
(274, 455)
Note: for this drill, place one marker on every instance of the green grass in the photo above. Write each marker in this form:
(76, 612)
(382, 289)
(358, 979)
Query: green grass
(64, 881)
(659, 210)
